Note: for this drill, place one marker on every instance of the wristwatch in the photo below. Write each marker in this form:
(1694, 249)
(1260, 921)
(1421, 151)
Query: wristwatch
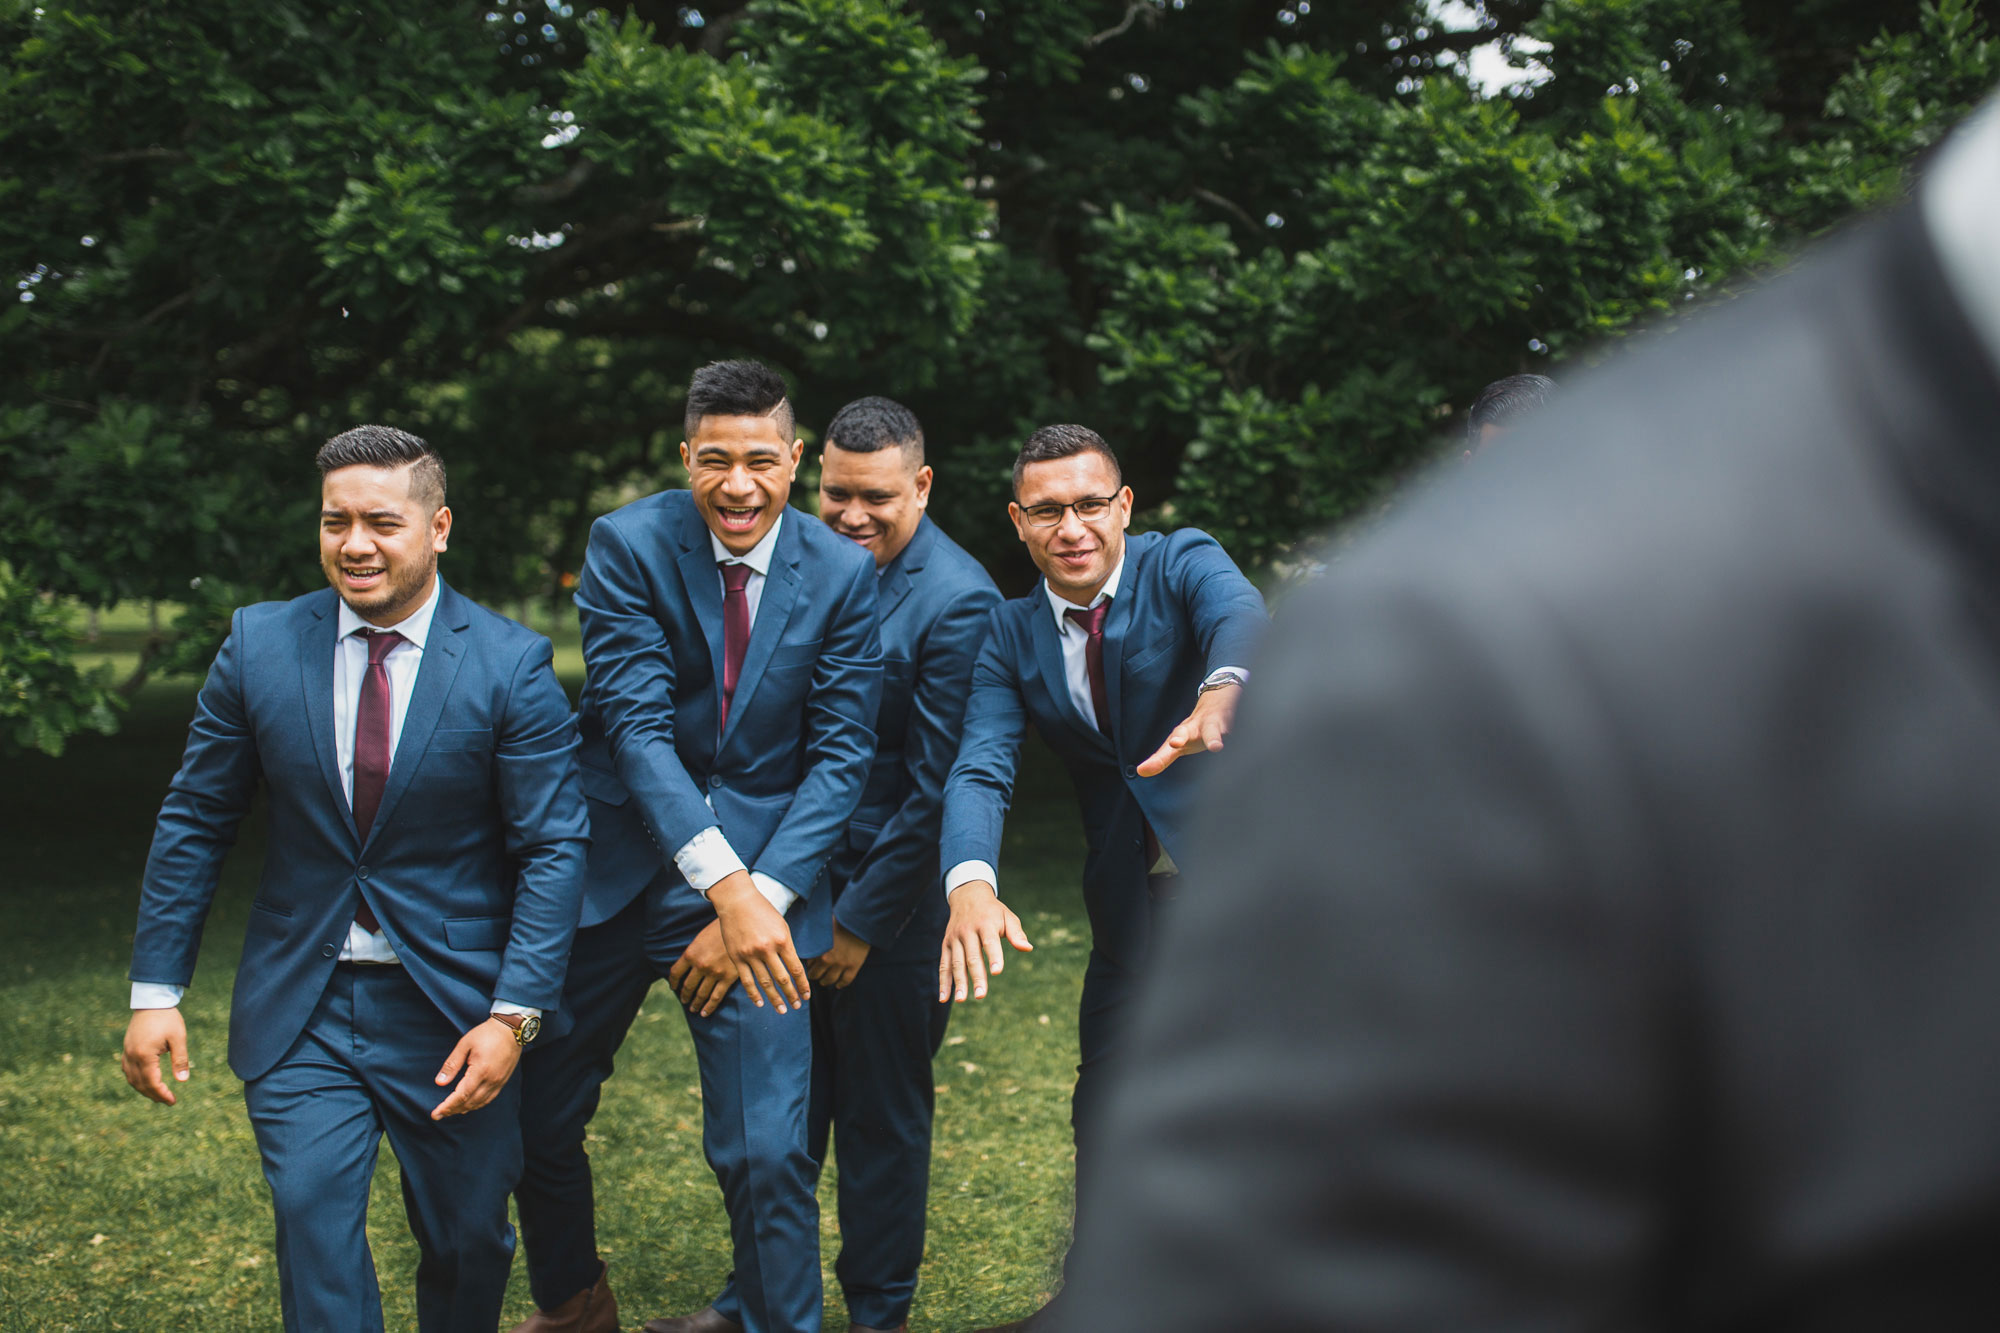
(1223, 676)
(526, 1026)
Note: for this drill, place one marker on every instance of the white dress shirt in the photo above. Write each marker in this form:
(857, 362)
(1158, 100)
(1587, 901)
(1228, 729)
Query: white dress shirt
(1959, 202)
(1075, 640)
(707, 859)
(350, 668)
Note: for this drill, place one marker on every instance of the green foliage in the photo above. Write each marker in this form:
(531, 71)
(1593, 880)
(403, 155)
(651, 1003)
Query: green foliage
(1269, 250)
(44, 698)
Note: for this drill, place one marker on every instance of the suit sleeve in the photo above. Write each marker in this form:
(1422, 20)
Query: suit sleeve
(886, 885)
(1444, 1107)
(981, 785)
(547, 830)
(1226, 609)
(632, 684)
(840, 741)
(205, 804)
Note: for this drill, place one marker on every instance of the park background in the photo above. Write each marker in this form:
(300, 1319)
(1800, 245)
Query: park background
(1269, 250)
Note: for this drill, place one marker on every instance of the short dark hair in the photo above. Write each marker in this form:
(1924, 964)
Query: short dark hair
(385, 446)
(738, 389)
(1506, 401)
(1052, 442)
(872, 424)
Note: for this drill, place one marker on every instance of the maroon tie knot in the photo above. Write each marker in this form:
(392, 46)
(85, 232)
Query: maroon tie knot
(381, 642)
(736, 577)
(1091, 621)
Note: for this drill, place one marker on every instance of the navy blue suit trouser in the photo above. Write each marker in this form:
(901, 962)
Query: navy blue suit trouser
(872, 1088)
(755, 1074)
(364, 1067)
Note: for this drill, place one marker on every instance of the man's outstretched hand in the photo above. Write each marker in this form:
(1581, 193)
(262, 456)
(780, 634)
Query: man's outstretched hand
(1214, 713)
(151, 1034)
(979, 921)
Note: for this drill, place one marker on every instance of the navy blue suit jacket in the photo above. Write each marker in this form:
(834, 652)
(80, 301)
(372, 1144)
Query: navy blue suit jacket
(935, 604)
(783, 780)
(1182, 610)
(474, 865)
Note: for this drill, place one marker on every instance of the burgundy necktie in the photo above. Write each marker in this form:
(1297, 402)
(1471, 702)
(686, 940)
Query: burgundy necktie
(373, 744)
(1092, 622)
(735, 631)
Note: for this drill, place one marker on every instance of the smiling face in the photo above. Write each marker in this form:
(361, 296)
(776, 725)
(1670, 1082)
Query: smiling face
(876, 499)
(1075, 555)
(378, 544)
(740, 470)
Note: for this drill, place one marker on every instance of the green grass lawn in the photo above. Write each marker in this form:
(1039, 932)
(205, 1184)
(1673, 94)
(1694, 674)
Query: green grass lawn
(119, 1214)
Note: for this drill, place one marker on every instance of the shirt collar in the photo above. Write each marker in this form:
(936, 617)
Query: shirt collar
(415, 627)
(1959, 202)
(757, 557)
(1061, 605)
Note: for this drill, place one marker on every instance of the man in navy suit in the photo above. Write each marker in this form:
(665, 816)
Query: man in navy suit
(877, 1022)
(732, 675)
(427, 836)
(1128, 656)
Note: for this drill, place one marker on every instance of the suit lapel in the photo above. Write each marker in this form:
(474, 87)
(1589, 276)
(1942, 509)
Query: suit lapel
(774, 609)
(1118, 624)
(1049, 655)
(316, 648)
(444, 653)
(895, 583)
(704, 586)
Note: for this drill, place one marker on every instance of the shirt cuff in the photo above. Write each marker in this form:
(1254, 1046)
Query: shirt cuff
(509, 1007)
(156, 995)
(967, 871)
(774, 893)
(707, 859)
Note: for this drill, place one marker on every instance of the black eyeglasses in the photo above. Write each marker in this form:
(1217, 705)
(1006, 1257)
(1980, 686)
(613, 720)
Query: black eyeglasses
(1088, 509)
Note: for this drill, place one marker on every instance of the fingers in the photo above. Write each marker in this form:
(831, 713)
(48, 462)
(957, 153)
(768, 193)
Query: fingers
(457, 1104)
(951, 970)
(1157, 762)
(1017, 935)
(142, 1071)
(713, 988)
(455, 1061)
(819, 970)
(677, 974)
(793, 978)
(987, 953)
(177, 1045)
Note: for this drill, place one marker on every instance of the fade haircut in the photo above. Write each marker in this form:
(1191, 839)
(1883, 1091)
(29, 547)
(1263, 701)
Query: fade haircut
(738, 389)
(1506, 401)
(1053, 442)
(385, 446)
(870, 425)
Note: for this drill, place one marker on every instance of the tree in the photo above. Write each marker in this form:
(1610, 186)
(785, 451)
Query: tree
(1269, 249)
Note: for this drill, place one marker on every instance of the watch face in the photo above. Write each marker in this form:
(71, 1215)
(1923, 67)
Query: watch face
(531, 1027)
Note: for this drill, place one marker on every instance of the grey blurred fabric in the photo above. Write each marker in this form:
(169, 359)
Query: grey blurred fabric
(1598, 921)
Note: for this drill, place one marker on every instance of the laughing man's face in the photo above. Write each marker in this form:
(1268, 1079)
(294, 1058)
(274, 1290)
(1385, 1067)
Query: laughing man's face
(740, 470)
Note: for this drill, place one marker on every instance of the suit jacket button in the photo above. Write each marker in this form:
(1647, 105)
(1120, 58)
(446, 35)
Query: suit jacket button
(1131, 770)
(327, 951)
(362, 872)
(715, 779)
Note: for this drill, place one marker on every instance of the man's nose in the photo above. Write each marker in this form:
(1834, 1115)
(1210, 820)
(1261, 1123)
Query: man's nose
(359, 541)
(1071, 528)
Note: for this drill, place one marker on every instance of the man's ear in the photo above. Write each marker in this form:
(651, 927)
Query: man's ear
(441, 529)
(687, 459)
(798, 455)
(1020, 520)
(1125, 498)
(924, 476)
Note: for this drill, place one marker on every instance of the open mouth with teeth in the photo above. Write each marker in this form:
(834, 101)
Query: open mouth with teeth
(363, 579)
(738, 519)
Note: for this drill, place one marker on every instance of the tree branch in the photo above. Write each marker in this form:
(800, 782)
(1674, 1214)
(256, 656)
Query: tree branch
(1230, 207)
(1132, 13)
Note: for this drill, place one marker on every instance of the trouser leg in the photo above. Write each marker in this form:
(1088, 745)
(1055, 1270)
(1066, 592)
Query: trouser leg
(317, 1130)
(876, 1090)
(756, 1067)
(560, 1086)
(456, 1172)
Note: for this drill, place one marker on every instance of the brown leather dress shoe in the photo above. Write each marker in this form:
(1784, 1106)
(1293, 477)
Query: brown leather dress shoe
(591, 1311)
(701, 1321)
